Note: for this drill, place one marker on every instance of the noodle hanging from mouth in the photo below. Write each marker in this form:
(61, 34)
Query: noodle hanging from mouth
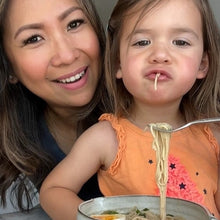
(161, 145)
(155, 81)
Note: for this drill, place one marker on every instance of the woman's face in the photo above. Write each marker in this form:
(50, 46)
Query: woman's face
(54, 50)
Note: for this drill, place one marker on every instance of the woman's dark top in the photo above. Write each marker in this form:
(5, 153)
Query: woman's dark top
(90, 188)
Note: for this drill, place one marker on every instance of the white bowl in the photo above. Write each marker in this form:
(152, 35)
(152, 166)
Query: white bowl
(183, 208)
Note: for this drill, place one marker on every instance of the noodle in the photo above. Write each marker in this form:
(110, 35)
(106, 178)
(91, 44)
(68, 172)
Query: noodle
(161, 146)
(155, 82)
(133, 214)
(146, 214)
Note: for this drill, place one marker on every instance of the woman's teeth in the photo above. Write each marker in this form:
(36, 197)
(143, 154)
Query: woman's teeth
(73, 79)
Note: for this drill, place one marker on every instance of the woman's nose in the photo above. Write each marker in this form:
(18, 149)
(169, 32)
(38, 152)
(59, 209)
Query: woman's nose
(160, 54)
(64, 52)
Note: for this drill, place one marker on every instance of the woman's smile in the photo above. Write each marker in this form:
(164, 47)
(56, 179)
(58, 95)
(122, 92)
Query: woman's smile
(73, 81)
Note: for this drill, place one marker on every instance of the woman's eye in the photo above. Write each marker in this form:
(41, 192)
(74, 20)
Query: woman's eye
(32, 40)
(181, 43)
(75, 24)
(142, 43)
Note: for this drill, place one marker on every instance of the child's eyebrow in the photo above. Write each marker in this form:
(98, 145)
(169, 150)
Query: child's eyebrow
(179, 30)
(139, 31)
(185, 30)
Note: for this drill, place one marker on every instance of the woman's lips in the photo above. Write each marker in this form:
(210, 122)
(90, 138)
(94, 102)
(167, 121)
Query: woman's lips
(72, 77)
(74, 81)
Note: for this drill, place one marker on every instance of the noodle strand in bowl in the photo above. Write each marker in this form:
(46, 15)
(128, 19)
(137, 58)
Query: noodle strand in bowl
(161, 143)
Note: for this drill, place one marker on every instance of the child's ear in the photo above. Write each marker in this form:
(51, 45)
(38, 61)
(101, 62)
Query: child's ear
(119, 73)
(204, 67)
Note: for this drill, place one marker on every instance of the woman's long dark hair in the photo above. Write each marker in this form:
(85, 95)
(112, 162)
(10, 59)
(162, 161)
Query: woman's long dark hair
(21, 154)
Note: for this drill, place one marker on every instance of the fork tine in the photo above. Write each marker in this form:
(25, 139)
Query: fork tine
(205, 120)
(161, 128)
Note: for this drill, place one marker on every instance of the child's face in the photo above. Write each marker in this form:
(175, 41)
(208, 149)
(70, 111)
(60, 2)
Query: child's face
(168, 40)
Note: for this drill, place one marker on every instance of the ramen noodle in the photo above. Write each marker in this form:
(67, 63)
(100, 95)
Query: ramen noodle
(155, 81)
(161, 146)
(136, 214)
(133, 214)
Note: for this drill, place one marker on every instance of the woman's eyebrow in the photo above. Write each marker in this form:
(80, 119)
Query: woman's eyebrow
(68, 11)
(39, 25)
(27, 27)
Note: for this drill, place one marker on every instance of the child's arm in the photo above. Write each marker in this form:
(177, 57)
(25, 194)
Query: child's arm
(95, 148)
(217, 195)
(216, 132)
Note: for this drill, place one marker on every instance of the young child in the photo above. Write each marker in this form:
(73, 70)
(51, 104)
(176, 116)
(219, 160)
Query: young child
(162, 65)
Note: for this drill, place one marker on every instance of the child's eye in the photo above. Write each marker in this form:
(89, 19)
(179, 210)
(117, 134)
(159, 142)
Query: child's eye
(142, 43)
(75, 24)
(32, 40)
(181, 43)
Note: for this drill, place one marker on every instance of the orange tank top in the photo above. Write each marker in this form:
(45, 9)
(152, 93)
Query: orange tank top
(193, 164)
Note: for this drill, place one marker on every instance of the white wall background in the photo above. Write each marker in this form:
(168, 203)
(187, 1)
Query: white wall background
(215, 4)
(105, 8)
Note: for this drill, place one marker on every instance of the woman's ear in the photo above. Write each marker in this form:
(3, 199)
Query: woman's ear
(13, 79)
(204, 66)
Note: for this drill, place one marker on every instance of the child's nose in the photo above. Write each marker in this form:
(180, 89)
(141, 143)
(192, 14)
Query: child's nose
(160, 54)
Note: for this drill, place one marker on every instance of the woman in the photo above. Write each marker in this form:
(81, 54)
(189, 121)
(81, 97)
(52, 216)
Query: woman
(157, 71)
(51, 87)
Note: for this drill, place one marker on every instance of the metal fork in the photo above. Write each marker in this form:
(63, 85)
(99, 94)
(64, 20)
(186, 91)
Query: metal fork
(205, 120)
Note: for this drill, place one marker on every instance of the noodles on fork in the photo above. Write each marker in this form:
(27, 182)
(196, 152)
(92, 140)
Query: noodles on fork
(161, 146)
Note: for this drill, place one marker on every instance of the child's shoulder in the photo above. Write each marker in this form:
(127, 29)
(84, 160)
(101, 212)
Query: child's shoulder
(102, 126)
(104, 140)
(100, 138)
(102, 130)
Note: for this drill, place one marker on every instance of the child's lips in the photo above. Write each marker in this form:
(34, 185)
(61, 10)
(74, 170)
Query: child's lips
(163, 75)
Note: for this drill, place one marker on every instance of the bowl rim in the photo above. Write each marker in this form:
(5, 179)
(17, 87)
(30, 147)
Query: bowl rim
(137, 195)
